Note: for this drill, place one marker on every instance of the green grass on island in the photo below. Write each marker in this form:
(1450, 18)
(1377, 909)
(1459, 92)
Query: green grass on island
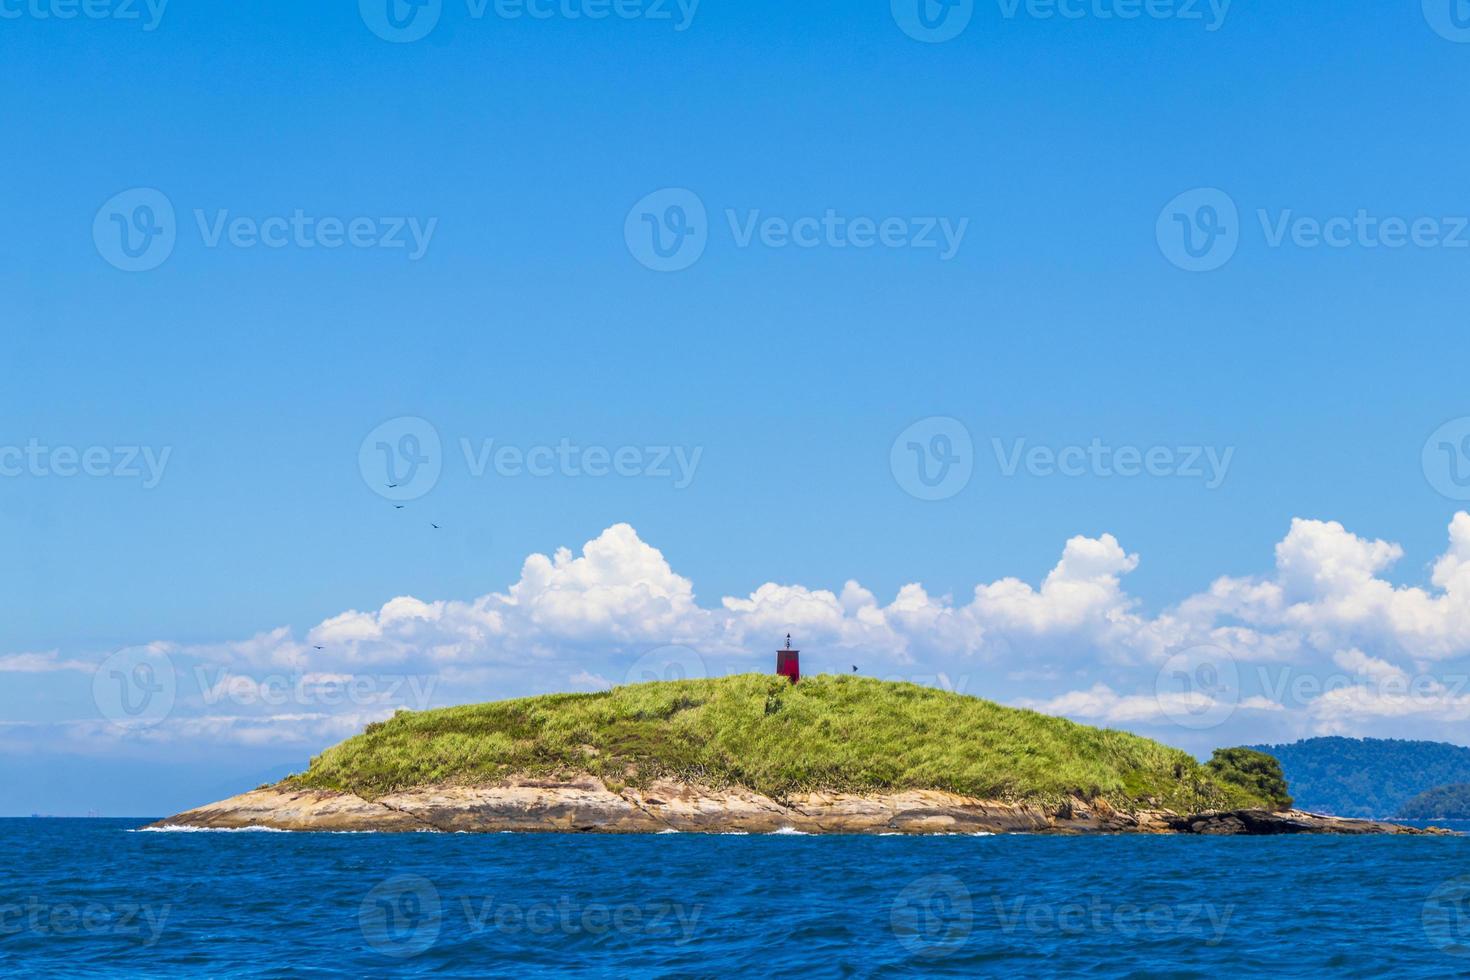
(834, 733)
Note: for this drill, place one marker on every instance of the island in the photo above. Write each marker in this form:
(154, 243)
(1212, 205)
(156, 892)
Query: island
(1441, 803)
(754, 753)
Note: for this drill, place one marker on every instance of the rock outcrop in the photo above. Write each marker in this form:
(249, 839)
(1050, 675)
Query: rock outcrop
(587, 804)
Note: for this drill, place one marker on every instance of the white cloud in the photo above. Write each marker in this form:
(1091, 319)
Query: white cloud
(41, 663)
(1326, 605)
(1102, 704)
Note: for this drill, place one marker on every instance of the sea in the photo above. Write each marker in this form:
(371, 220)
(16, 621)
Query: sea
(105, 898)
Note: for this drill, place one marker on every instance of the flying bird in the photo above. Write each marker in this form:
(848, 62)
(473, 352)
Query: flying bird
(854, 668)
(433, 525)
(318, 648)
(397, 506)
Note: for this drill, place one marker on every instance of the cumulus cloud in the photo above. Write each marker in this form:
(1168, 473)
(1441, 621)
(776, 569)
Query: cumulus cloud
(1329, 592)
(587, 616)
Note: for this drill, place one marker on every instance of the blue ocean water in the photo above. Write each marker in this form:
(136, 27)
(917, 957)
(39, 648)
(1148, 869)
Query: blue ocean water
(98, 898)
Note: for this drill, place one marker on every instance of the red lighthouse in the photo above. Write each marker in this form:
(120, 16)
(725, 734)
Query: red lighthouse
(788, 663)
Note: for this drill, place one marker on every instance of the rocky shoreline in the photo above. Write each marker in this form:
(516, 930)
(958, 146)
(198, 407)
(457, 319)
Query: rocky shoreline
(587, 805)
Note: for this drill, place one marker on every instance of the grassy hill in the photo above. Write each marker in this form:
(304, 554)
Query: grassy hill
(828, 732)
(1367, 777)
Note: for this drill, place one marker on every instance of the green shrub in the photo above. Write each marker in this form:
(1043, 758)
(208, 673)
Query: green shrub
(1255, 772)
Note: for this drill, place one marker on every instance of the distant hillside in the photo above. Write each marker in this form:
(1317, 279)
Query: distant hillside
(1441, 803)
(1368, 777)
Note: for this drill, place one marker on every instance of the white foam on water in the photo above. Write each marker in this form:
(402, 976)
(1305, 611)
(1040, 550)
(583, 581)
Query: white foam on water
(668, 830)
(181, 829)
(788, 831)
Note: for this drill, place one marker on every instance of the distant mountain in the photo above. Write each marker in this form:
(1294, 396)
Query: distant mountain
(1441, 803)
(1366, 777)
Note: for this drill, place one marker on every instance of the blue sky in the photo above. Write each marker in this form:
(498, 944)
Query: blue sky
(1058, 151)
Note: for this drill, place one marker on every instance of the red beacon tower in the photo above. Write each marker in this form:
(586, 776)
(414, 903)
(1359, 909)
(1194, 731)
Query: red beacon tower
(788, 663)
